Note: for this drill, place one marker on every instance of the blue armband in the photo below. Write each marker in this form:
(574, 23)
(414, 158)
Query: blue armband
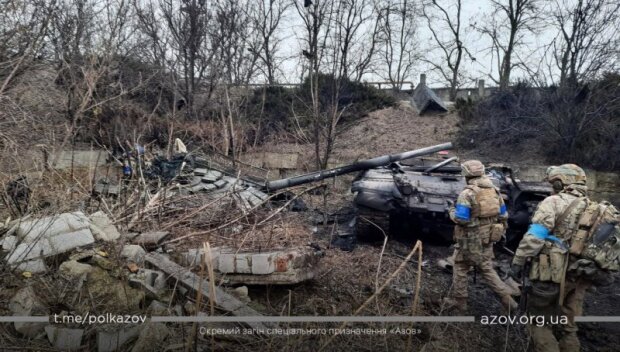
(502, 210)
(541, 232)
(462, 212)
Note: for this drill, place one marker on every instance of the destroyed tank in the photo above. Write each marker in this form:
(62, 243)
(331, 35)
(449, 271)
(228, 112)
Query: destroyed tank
(406, 195)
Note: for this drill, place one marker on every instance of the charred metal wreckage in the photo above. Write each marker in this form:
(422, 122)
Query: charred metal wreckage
(405, 194)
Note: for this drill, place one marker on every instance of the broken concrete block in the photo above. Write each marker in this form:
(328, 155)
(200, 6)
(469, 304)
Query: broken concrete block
(26, 303)
(65, 242)
(32, 230)
(152, 281)
(194, 257)
(208, 187)
(109, 341)
(200, 172)
(74, 269)
(133, 252)
(63, 338)
(234, 263)
(226, 263)
(35, 266)
(151, 239)
(196, 284)
(152, 334)
(28, 251)
(49, 245)
(197, 188)
(211, 176)
(278, 267)
(220, 183)
(263, 264)
(243, 264)
(9, 243)
(195, 181)
(102, 227)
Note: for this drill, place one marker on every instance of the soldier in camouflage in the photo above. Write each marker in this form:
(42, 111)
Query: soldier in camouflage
(555, 291)
(480, 216)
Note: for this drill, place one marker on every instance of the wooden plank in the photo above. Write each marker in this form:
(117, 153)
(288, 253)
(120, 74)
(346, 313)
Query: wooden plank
(188, 279)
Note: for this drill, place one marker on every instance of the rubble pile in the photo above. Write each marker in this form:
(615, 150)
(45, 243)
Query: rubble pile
(130, 256)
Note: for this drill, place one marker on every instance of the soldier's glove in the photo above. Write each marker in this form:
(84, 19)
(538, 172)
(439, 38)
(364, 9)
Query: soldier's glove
(516, 271)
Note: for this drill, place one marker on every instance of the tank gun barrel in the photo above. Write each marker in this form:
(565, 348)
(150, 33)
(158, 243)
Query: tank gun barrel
(383, 160)
(441, 164)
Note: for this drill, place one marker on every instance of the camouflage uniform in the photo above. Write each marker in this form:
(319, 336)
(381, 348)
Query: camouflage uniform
(543, 244)
(475, 231)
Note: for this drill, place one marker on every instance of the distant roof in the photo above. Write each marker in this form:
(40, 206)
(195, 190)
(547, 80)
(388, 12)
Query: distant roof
(426, 100)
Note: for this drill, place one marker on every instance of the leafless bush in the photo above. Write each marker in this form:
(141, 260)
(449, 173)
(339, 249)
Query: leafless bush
(577, 125)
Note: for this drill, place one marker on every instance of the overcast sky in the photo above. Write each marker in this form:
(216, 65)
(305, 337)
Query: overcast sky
(473, 11)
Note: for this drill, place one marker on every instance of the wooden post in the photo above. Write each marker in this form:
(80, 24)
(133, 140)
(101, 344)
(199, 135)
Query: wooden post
(481, 89)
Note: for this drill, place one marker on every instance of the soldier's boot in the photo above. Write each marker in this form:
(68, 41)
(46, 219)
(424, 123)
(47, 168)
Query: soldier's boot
(543, 339)
(456, 305)
(509, 304)
(570, 342)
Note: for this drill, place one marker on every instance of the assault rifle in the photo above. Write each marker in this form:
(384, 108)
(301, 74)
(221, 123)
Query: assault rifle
(526, 287)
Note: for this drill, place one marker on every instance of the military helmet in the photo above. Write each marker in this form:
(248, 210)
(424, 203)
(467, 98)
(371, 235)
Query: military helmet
(568, 174)
(472, 168)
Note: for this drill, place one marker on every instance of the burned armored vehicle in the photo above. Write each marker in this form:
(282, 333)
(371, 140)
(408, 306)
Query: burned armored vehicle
(406, 195)
(412, 197)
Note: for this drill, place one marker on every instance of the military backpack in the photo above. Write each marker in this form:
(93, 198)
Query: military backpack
(596, 236)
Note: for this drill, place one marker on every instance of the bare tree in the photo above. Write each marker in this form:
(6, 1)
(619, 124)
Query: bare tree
(23, 28)
(266, 21)
(446, 26)
(355, 37)
(89, 40)
(238, 44)
(317, 20)
(507, 25)
(187, 24)
(587, 39)
(399, 49)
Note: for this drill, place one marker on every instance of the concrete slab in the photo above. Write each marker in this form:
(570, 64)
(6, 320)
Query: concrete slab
(31, 230)
(211, 176)
(102, 227)
(284, 267)
(220, 183)
(200, 172)
(67, 241)
(222, 299)
(35, 266)
(78, 158)
(9, 243)
(263, 264)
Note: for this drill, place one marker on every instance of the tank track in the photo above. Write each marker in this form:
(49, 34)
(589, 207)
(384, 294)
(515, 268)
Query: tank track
(364, 227)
